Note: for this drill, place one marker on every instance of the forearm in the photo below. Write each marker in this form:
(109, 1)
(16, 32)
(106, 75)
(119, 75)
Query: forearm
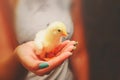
(79, 61)
(9, 66)
(79, 64)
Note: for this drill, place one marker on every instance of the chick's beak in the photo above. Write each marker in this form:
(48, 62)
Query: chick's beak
(65, 33)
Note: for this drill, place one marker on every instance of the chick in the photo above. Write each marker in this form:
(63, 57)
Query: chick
(48, 39)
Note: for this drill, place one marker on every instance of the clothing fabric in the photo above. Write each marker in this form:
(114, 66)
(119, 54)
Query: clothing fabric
(33, 16)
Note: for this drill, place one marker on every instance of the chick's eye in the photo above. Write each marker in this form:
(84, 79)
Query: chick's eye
(59, 30)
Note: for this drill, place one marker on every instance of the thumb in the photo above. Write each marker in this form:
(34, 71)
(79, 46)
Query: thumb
(56, 61)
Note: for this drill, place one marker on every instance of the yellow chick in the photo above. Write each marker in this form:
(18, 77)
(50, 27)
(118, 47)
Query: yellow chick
(48, 39)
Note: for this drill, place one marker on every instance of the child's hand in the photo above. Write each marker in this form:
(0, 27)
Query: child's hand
(33, 63)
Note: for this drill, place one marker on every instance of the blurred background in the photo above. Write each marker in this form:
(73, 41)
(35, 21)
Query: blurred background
(102, 25)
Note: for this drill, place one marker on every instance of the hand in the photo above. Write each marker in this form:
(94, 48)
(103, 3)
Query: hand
(26, 55)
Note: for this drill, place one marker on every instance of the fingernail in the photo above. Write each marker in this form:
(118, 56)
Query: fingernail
(43, 65)
(73, 49)
(76, 43)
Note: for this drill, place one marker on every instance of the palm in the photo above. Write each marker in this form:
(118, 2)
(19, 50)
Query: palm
(30, 60)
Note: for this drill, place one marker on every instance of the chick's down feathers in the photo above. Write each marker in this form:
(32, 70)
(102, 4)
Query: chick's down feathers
(48, 39)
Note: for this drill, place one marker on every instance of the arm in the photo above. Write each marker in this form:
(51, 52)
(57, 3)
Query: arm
(79, 61)
(9, 66)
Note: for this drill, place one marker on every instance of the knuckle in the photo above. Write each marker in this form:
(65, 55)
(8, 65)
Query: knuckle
(33, 67)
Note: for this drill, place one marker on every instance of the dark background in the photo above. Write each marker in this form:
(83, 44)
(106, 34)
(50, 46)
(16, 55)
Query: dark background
(102, 30)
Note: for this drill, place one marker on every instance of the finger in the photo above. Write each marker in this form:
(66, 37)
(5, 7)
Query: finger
(59, 59)
(53, 63)
(69, 48)
(61, 45)
(70, 44)
(64, 43)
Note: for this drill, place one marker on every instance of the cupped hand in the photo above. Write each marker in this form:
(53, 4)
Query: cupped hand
(26, 55)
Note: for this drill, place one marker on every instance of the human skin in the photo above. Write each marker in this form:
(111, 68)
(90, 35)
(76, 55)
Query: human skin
(79, 61)
(9, 67)
(30, 60)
